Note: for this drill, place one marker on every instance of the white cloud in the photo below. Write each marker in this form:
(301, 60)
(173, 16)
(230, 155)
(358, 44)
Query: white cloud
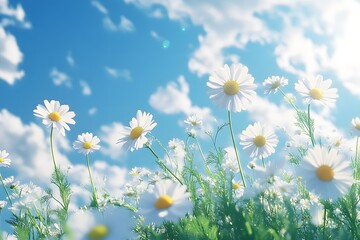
(174, 99)
(10, 58)
(119, 73)
(124, 25)
(18, 13)
(109, 136)
(99, 7)
(92, 111)
(307, 37)
(10, 54)
(86, 90)
(60, 78)
(70, 60)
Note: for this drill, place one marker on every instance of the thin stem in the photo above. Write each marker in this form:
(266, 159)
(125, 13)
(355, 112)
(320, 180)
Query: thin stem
(324, 221)
(161, 164)
(289, 101)
(91, 180)
(52, 151)
(356, 159)
(7, 193)
(207, 169)
(309, 127)
(236, 152)
(263, 163)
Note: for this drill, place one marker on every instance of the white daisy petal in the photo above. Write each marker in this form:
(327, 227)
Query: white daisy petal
(258, 140)
(86, 143)
(55, 115)
(323, 173)
(232, 87)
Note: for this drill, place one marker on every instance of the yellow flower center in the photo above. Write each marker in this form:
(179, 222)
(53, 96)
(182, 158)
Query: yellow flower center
(87, 145)
(54, 116)
(325, 173)
(136, 132)
(236, 186)
(231, 87)
(194, 123)
(316, 93)
(357, 126)
(1, 160)
(275, 85)
(164, 202)
(98, 232)
(259, 141)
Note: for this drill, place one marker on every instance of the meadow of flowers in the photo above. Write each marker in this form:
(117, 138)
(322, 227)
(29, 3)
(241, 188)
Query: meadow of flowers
(310, 192)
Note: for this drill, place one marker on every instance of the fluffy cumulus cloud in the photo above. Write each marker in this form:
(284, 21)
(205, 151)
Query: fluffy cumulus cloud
(174, 99)
(109, 136)
(10, 53)
(10, 58)
(307, 37)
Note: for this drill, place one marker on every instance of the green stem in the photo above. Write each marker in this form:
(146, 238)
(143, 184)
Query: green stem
(207, 169)
(161, 164)
(291, 103)
(310, 129)
(52, 152)
(7, 193)
(91, 180)
(236, 152)
(263, 163)
(324, 221)
(356, 159)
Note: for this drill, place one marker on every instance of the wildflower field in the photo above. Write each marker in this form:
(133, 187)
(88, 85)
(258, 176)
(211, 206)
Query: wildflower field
(258, 136)
(311, 192)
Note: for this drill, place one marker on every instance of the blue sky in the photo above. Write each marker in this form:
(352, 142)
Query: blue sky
(106, 60)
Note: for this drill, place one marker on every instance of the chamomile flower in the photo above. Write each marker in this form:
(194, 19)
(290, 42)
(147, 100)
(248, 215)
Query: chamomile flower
(2, 204)
(314, 88)
(259, 140)
(326, 173)
(273, 83)
(168, 201)
(194, 123)
(55, 115)
(86, 143)
(232, 87)
(356, 124)
(134, 137)
(4, 160)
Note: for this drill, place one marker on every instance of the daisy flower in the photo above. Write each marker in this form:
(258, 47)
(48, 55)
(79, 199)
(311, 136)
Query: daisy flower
(316, 89)
(101, 225)
(168, 201)
(55, 115)
(326, 173)
(273, 83)
(133, 137)
(356, 124)
(232, 87)
(194, 123)
(4, 160)
(86, 143)
(258, 140)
